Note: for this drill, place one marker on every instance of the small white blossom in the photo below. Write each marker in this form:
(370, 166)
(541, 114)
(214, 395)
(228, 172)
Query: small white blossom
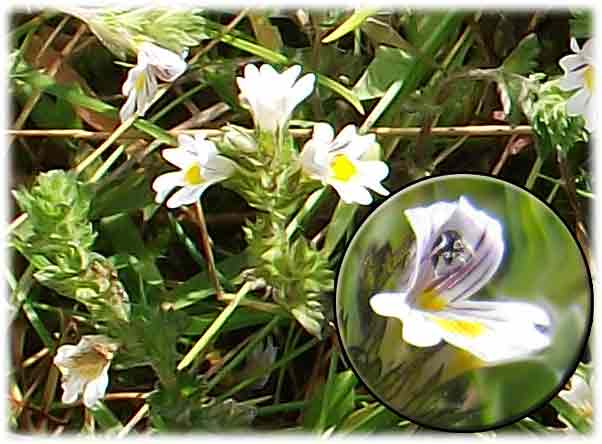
(579, 74)
(140, 88)
(272, 96)
(200, 166)
(457, 251)
(85, 368)
(336, 161)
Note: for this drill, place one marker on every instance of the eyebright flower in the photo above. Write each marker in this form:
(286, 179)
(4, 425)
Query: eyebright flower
(200, 166)
(457, 251)
(271, 96)
(336, 161)
(140, 88)
(85, 368)
(579, 73)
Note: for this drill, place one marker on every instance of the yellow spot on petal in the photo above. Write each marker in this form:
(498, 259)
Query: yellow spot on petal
(193, 175)
(429, 300)
(342, 168)
(139, 84)
(589, 76)
(471, 329)
(89, 364)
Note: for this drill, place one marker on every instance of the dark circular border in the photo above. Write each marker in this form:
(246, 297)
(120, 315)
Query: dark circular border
(570, 371)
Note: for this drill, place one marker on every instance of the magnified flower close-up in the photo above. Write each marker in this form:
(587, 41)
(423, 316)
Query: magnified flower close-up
(458, 250)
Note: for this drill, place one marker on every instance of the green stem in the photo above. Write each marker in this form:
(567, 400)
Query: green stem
(106, 144)
(534, 172)
(214, 328)
(321, 425)
(281, 408)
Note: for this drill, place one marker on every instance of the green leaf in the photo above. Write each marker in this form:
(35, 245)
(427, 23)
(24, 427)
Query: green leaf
(349, 25)
(340, 223)
(373, 417)
(581, 24)
(339, 402)
(523, 59)
(105, 418)
(572, 415)
(132, 193)
(381, 33)
(388, 66)
(126, 239)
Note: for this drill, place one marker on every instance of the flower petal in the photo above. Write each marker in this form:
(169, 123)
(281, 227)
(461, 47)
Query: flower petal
(572, 80)
(64, 354)
(129, 108)
(218, 168)
(578, 103)
(351, 192)
(482, 235)
(571, 62)
(72, 387)
(96, 388)
(426, 223)
(323, 133)
(180, 157)
(165, 183)
(289, 76)
(390, 304)
(418, 331)
(495, 331)
(372, 172)
(300, 91)
(186, 196)
(166, 65)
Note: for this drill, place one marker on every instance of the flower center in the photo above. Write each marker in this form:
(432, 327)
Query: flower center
(342, 168)
(139, 83)
(431, 301)
(471, 329)
(193, 175)
(589, 76)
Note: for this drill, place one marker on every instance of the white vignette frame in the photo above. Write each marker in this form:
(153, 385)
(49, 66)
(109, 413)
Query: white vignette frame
(10, 6)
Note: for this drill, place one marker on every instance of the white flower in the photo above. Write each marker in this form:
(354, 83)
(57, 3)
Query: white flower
(200, 166)
(336, 161)
(457, 251)
(271, 96)
(140, 88)
(579, 73)
(85, 368)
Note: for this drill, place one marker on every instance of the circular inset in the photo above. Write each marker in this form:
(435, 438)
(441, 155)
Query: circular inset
(463, 303)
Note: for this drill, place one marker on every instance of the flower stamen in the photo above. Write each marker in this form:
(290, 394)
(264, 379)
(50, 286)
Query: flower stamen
(193, 175)
(342, 168)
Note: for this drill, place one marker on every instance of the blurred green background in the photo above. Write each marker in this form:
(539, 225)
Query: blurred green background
(442, 386)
